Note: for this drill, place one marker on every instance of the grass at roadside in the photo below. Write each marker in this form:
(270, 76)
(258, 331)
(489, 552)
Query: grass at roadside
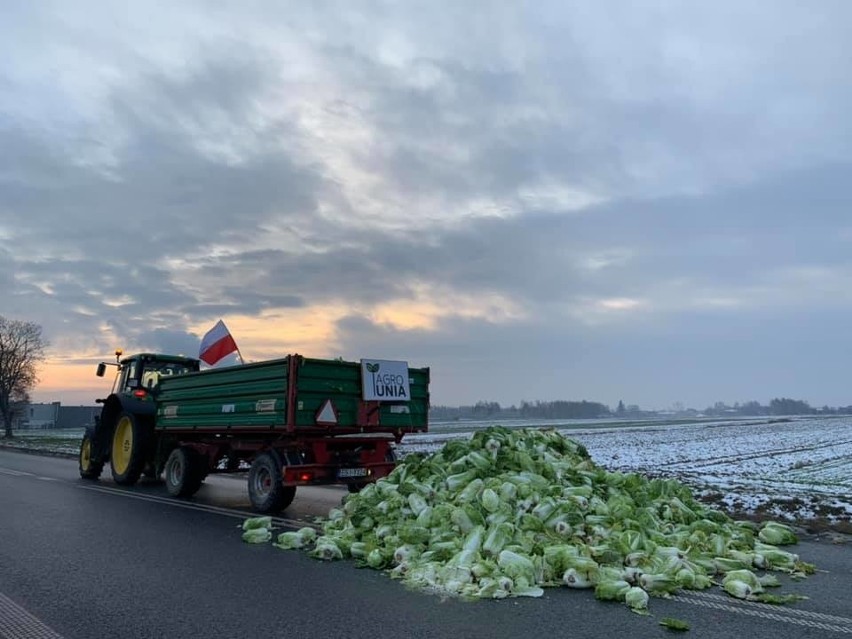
(51, 442)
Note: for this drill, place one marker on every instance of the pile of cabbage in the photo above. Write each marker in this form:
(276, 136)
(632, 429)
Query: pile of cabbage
(510, 512)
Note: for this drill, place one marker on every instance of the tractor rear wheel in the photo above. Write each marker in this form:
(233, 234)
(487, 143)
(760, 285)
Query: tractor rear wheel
(89, 468)
(266, 492)
(183, 472)
(129, 446)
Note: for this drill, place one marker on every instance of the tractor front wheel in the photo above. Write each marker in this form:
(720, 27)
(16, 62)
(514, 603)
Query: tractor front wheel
(89, 468)
(129, 445)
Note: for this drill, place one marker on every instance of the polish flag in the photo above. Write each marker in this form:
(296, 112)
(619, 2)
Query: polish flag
(216, 344)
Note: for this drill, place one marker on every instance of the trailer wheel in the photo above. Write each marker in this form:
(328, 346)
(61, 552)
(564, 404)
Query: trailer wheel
(89, 468)
(183, 472)
(266, 492)
(129, 443)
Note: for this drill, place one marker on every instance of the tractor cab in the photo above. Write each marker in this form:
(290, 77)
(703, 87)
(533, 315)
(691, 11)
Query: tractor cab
(139, 375)
(128, 413)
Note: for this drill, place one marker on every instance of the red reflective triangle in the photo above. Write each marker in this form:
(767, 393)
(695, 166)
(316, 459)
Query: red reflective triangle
(327, 414)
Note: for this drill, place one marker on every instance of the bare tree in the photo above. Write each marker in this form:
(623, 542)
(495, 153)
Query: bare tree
(22, 348)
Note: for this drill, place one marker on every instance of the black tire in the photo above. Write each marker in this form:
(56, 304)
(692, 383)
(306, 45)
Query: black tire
(183, 472)
(89, 467)
(128, 450)
(266, 492)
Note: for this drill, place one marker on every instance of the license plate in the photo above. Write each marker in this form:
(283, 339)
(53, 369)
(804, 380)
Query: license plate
(352, 472)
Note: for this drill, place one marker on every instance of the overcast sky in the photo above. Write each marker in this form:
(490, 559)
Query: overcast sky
(646, 201)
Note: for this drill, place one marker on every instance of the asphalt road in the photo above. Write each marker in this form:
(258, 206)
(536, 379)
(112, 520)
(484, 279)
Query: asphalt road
(89, 559)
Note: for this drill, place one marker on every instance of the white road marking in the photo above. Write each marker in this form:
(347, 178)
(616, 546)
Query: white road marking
(228, 512)
(216, 510)
(14, 473)
(795, 612)
(17, 623)
(774, 613)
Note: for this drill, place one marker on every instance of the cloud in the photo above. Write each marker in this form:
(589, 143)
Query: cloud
(566, 193)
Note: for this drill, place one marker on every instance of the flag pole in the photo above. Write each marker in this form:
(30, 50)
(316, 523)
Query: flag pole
(240, 355)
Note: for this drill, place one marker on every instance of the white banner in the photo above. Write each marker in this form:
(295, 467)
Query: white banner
(384, 380)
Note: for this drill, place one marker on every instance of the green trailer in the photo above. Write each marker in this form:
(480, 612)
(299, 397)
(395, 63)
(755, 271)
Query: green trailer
(285, 422)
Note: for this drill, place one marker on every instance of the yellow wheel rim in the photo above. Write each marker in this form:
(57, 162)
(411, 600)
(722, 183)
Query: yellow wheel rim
(122, 445)
(86, 454)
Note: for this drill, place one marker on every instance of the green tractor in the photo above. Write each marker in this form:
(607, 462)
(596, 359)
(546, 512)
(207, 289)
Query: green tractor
(285, 422)
(123, 433)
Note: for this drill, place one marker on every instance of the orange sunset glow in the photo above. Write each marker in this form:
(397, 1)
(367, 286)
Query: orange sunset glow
(309, 331)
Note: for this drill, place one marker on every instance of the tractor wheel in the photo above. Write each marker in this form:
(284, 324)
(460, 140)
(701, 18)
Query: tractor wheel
(129, 445)
(89, 468)
(266, 492)
(183, 472)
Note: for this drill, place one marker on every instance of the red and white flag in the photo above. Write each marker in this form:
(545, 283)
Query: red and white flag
(216, 344)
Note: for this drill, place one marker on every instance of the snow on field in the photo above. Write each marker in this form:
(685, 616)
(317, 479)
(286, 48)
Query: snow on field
(798, 469)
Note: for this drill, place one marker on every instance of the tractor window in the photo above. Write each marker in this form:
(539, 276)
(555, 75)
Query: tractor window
(128, 379)
(176, 368)
(154, 371)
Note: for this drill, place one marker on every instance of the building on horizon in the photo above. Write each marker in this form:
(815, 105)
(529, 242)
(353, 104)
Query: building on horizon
(55, 415)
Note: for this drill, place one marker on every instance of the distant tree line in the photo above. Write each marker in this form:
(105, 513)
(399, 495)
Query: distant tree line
(777, 406)
(560, 409)
(564, 410)
(583, 409)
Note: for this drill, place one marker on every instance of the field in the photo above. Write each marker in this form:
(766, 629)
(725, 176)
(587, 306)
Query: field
(795, 469)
